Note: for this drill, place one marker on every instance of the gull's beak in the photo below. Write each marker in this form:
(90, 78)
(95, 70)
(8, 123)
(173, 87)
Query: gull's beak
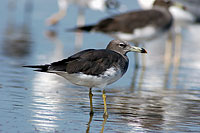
(137, 49)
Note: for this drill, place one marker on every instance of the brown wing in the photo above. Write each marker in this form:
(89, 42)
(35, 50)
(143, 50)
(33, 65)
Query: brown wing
(127, 22)
(91, 62)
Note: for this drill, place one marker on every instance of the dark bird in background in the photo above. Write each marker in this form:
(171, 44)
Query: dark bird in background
(135, 26)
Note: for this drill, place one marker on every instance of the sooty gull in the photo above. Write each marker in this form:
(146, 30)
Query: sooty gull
(135, 26)
(94, 68)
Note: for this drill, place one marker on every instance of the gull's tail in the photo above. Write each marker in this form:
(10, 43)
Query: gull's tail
(40, 68)
(87, 28)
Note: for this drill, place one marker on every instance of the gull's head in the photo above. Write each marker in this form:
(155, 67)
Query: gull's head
(163, 3)
(124, 47)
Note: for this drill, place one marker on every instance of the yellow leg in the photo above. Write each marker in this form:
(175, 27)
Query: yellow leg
(105, 106)
(90, 96)
(55, 18)
(104, 122)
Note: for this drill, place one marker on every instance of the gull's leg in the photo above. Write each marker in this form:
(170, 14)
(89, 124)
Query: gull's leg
(105, 106)
(104, 122)
(55, 18)
(168, 57)
(90, 120)
(177, 57)
(168, 51)
(105, 115)
(90, 96)
(79, 35)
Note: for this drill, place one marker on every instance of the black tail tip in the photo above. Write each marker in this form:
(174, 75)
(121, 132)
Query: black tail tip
(81, 28)
(30, 66)
(39, 68)
(143, 51)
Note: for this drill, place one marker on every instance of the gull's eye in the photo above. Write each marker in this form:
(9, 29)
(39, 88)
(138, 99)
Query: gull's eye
(122, 45)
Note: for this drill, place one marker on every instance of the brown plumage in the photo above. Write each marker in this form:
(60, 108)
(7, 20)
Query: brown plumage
(94, 68)
(158, 20)
(91, 61)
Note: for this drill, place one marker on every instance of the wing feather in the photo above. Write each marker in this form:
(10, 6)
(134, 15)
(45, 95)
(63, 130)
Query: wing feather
(91, 62)
(136, 19)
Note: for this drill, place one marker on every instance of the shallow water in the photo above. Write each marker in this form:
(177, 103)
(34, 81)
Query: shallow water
(160, 97)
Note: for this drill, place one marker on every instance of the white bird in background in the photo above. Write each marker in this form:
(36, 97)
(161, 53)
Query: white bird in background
(101, 5)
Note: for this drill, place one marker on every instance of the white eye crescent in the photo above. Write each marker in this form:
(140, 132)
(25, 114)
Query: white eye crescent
(122, 45)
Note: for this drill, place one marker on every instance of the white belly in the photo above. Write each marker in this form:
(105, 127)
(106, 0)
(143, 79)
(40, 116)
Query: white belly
(111, 75)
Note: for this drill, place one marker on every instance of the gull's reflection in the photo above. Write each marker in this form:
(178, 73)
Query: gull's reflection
(47, 101)
(143, 69)
(133, 81)
(151, 110)
(88, 125)
(14, 52)
(172, 58)
(168, 62)
(17, 39)
(137, 78)
(104, 122)
(102, 126)
(151, 61)
(58, 52)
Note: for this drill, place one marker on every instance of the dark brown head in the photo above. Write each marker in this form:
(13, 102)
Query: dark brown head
(163, 3)
(123, 47)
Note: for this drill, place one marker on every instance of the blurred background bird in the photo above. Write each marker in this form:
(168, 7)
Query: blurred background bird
(100, 5)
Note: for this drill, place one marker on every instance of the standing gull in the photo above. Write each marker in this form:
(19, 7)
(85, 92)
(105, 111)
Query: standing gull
(94, 68)
(135, 26)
